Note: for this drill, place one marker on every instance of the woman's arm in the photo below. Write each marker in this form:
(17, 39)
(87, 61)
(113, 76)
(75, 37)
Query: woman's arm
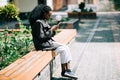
(42, 34)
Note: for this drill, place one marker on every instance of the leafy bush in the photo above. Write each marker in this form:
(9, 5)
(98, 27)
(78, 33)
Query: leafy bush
(82, 8)
(14, 45)
(117, 5)
(8, 12)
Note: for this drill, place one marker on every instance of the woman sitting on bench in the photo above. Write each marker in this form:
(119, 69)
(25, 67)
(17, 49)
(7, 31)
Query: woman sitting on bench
(42, 37)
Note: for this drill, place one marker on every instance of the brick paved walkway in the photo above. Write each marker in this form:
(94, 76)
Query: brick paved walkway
(99, 59)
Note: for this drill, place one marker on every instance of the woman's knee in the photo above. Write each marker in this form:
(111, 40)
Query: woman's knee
(61, 49)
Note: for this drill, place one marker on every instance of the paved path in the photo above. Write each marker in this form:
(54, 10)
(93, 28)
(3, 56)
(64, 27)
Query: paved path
(99, 61)
(99, 58)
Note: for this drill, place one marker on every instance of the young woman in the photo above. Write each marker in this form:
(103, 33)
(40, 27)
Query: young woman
(42, 37)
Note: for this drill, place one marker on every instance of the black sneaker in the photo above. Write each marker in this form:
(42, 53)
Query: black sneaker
(70, 74)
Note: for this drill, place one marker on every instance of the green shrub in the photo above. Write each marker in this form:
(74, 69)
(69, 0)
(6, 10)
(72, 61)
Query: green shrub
(82, 6)
(90, 10)
(117, 5)
(14, 45)
(8, 12)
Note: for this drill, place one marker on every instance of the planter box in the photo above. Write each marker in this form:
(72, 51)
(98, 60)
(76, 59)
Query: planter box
(73, 15)
(82, 15)
(88, 15)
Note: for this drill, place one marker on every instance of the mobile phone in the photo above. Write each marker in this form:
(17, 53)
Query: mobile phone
(59, 24)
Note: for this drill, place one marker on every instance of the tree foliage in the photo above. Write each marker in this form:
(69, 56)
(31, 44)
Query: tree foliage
(8, 12)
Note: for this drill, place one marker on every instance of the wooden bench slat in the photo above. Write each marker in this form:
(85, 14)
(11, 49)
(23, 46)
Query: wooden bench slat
(11, 66)
(16, 63)
(25, 65)
(70, 33)
(33, 69)
(19, 63)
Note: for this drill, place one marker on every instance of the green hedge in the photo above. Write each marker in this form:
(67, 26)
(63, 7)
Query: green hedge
(8, 12)
(117, 4)
(14, 45)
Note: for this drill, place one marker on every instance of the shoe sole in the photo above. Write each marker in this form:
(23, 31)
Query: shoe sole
(66, 78)
(75, 78)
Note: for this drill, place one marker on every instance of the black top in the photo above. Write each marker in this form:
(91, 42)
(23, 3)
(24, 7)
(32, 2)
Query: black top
(42, 35)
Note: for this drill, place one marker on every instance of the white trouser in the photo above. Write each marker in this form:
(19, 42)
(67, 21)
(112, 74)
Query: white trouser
(64, 52)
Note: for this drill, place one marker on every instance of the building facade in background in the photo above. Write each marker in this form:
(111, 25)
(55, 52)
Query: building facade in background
(28, 5)
(101, 5)
(3, 2)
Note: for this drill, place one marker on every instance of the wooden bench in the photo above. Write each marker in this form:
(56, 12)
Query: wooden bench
(27, 67)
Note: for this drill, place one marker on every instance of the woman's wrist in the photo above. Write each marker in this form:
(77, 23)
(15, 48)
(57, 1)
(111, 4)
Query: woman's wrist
(55, 27)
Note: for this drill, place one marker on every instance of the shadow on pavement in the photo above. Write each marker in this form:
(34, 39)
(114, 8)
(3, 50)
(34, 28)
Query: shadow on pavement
(60, 78)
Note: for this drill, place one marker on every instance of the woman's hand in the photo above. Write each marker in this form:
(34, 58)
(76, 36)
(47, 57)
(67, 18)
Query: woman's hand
(55, 27)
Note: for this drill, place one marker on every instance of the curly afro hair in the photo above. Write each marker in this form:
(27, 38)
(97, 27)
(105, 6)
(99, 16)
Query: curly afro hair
(38, 13)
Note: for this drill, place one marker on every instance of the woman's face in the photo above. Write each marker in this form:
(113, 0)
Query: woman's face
(48, 15)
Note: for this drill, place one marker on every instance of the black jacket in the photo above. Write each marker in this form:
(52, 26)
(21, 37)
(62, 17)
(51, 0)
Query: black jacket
(42, 35)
